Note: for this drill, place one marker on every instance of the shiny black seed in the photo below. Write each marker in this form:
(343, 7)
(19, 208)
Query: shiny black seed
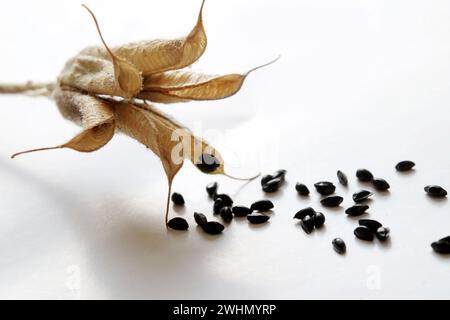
(342, 177)
(372, 225)
(256, 218)
(405, 165)
(211, 189)
(261, 205)
(380, 184)
(319, 219)
(207, 163)
(213, 227)
(301, 189)
(241, 211)
(218, 204)
(266, 178)
(435, 191)
(308, 211)
(364, 175)
(226, 214)
(363, 233)
(362, 195)
(357, 210)
(332, 201)
(442, 245)
(280, 174)
(325, 188)
(273, 185)
(177, 199)
(200, 218)
(339, 245)
(227, 201)
(382, 233)
(307, 224)
(178, 224)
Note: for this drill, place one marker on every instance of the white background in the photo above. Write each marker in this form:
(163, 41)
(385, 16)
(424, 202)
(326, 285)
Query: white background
(359, 84)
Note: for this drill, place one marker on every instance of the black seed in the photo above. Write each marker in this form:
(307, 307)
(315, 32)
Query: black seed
(342, 177)
(405, 165)
(372, 225)
(272, 186)
(380, 184)
(266, 178)
(357, 210)
(280, 174)
(218, 204)
(382, 233)
(256, 218)
(332, 201)
(361, 195)
(308, 211)
(339, 245)
(241, 211)
(261, 205)
(200, 218)
(301, 189)
(325, 188)
(442, 245)
(227, 201)
(177, 199)
(207, 163)
(226, 214)
(364, 175)
(211, 189)
(363, 233)
(178, 224)
(319, 219)
(213, 227)
(307, 224)
(435, 191)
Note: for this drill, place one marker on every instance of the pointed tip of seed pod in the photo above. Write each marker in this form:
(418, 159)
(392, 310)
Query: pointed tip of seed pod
(263, 65)
(241, 179)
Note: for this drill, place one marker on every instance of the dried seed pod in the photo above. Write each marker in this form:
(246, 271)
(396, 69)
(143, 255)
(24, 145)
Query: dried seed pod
(325, 188)
(405, 165)
(266, 178)
(218, 204)
(177, 199)
(257, 218)
(339, 245)
(380, 184)
(364, 175)
(332, 201)
(435, 191)
(213, 227)
(241, 211)
(442, 246)
(273, 185)
(357, 210)
(301, 189)
(342, 177)
(226, 199)
(178, 223)
(319, 219)
(211, 189)
(200, 218)
(308, 211)
(226, 214)
(382, 233)
(361, 196)
(262, 205)
(372, 225)
(363, 233)
(307, 224)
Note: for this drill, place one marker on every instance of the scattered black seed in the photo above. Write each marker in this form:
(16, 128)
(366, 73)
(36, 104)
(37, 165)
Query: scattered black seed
(266, 178)
(280, 174)
(213, 227)
(339, 245)
(382, 233)
(256, 218)
(405, 165)
(325, 188)
(357, 210)
(332, 201)
(211, 189)
(241, 211)
(442, 245)
(364, 175)
(372, 225)
(380, 184)
(218, 204)
(342, 177)
(273, 185)
(301, 189)
(307, 224)
(363, 233)
(435, 191)
(207, 163)
(362, 195)
(262, 205)
(178, 223)
(200, 218)
(227, 201)
(319, 219)
(226, 214)
(177, 199)
(308, 211)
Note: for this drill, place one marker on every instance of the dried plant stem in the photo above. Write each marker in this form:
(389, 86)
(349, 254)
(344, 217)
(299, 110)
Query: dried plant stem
(242, 179)
(168, 201)
(35, 150)
(27, 87)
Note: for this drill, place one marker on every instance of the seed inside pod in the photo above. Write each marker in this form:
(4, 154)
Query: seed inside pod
(273, 185)
(200, 218)
(177, 199)
(380, 184)
(227, 201)
(435, 191)
(363, 233)
(301, 189)
(319, 219)
(442, 246)
(213, 227)
(257, 218)
(382, 233)
(307, 224)
(207, 163)
(364, 175)
(405, 165)
(218, 204)
(178, 223)
(211, 189)
(308, 211)
(325, 188)
(361, 196)
(262, 205)
(342, 177)
(266, 178)
(226, 214)
(372, 225)
(332, 201)
(339, 245)
(357, 210)
(241, 211)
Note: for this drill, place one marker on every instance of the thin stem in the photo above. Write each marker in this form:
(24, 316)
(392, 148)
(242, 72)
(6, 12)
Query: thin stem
(29, 86)
(241, 179)
(35, 150)
(264, 65)
(168, 202)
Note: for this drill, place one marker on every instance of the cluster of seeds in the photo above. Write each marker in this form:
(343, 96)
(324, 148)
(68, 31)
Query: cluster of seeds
(310, 219)
(272, 182)
(369, 228)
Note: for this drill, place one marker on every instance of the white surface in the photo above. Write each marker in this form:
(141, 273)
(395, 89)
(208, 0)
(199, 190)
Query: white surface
(360, 84)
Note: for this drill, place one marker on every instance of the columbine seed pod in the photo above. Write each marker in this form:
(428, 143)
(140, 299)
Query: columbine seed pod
(325, 188)
(257, 218)
(308, 211)
(435, 191)
(361, 196)
(357, 210)
(178, 223)
(226, 214)
(211, 189)
(319, 220)
(342, 177)
(363, 233)
(372, 225)
(339, 245)
(273, 185)
(380, 184)
(332, 201)
(213, 227)
(200, 218)
(301, 189)
(177, 199)
(405, 165)
(262, 205)
(364, 175)
(241, 211)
